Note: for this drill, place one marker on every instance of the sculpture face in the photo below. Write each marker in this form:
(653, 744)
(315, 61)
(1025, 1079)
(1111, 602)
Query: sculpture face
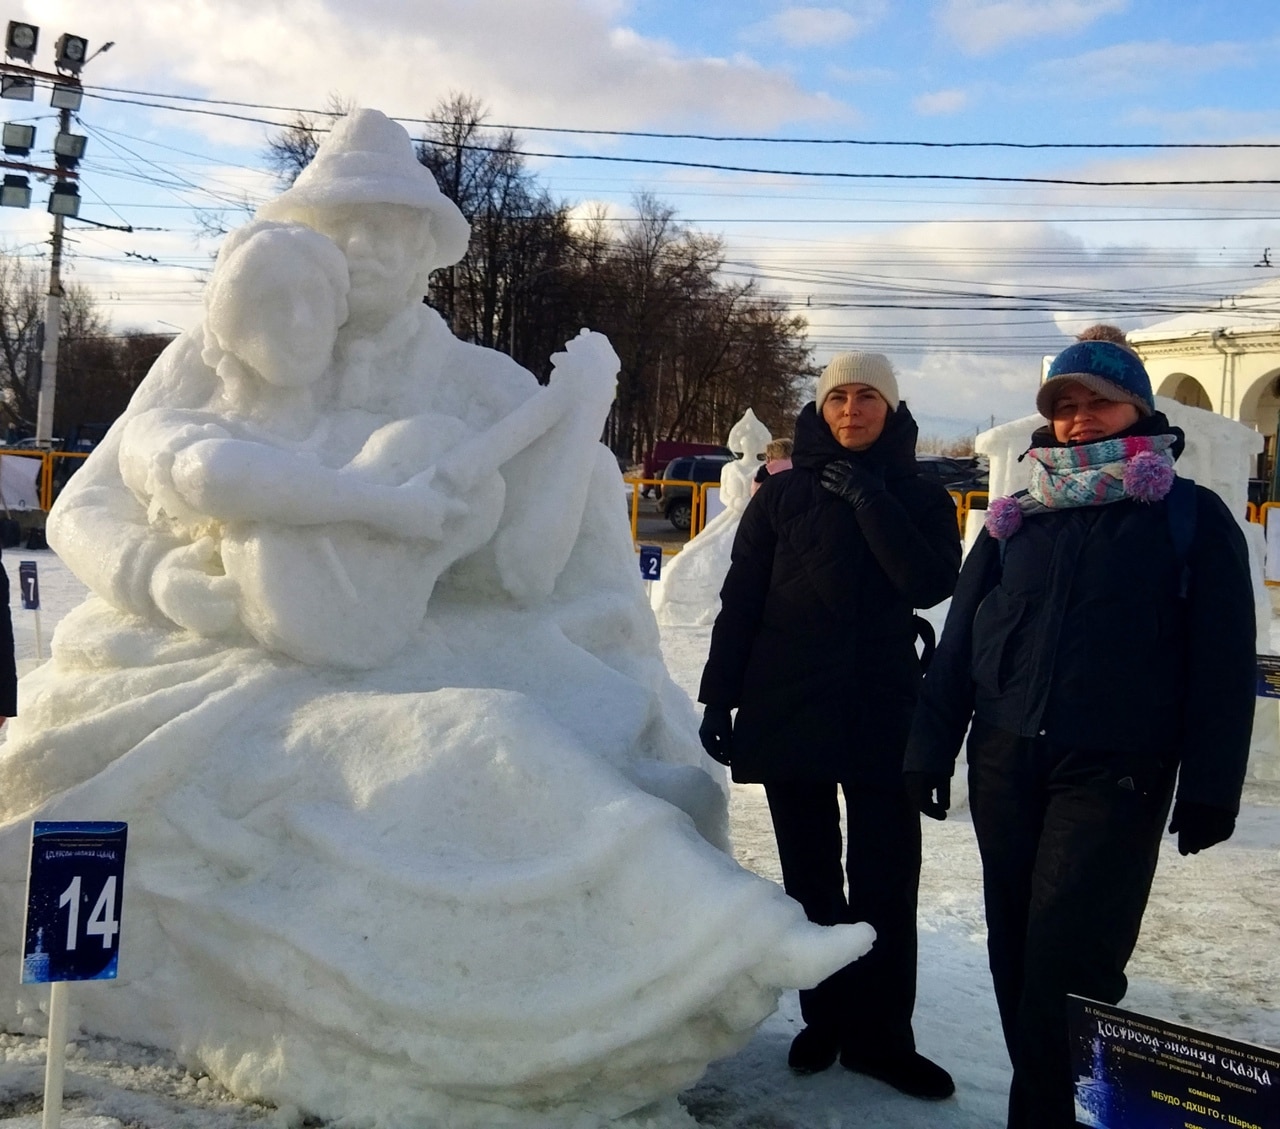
(387, 248)
(287, 339)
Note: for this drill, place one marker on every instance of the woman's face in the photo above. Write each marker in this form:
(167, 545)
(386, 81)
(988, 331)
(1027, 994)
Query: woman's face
(1080, 415)
(856, 414)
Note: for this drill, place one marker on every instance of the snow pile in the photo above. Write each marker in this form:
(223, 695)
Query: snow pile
(688, 594)
(420, 832)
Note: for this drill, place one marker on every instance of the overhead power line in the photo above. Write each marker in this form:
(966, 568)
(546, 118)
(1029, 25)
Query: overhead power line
(663, 135)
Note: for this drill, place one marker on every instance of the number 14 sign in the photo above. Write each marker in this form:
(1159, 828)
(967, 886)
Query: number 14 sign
(73, 902)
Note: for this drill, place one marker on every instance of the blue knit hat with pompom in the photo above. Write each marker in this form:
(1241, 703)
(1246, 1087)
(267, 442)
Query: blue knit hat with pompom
(1111, 371)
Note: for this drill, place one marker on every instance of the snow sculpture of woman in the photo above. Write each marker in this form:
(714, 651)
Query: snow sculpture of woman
(688, 595)
(420, 833)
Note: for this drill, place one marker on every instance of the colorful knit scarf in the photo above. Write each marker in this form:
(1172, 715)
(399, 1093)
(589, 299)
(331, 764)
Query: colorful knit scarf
(1093, 474)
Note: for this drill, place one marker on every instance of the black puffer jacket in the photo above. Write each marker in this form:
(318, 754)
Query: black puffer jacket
(814, 643)
(1083, 635)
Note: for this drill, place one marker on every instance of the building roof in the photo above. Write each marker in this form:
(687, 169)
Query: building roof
(1256, 310)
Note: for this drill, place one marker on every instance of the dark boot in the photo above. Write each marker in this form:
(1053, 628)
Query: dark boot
(909, 1072)
(813, 1050)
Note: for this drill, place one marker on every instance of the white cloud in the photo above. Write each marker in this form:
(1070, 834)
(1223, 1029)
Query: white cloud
(554, 62)
(941, 102)
(981, 26)
(1126, 67)
(816, 27)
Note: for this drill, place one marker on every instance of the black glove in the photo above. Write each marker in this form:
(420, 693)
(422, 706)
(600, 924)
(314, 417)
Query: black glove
(716, 733)
(921, 787)
(852, 483)
(1200, 826)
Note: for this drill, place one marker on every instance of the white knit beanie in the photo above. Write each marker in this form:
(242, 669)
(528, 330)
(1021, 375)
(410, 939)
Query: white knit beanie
(871, 369)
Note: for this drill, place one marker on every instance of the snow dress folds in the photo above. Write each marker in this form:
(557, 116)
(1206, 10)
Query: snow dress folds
(420, 833)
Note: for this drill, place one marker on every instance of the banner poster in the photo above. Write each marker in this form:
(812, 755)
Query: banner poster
(1136, 1072)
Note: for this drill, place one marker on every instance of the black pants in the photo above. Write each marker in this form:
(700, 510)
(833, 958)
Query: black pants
(868, 1003)
(1069, 840)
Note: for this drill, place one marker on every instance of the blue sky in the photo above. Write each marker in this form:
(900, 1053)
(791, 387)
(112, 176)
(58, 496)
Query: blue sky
(867, 260)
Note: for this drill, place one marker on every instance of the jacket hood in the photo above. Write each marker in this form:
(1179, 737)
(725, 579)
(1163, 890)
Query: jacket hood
(1157, 423)
(894, 453)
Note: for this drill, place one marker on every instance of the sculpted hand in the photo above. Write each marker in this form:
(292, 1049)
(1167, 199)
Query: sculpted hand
(922, 788)
(189, 594)
(851, 483)
(418, 510)
(1199, 826)
(716, 733)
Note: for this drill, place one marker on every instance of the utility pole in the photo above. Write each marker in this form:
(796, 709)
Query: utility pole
(52, 324)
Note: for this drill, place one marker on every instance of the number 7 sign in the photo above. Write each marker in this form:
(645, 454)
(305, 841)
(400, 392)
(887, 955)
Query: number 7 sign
(73, 902)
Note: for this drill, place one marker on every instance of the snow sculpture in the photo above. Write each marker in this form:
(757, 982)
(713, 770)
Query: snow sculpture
(420, 833)
(688, 594)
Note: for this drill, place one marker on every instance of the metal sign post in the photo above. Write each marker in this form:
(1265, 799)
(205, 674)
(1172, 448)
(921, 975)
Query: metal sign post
(75, 888)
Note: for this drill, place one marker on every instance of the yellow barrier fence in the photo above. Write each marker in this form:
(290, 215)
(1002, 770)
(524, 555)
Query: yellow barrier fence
(55, 468)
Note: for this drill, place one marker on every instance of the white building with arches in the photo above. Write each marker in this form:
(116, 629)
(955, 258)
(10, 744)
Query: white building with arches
(1226, 360)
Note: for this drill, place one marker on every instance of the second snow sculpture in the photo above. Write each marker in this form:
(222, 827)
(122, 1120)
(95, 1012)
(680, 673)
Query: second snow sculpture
(420, 832)
(688, 595)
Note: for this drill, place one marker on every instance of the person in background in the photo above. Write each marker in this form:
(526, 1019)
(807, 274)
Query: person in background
(777, 458)
(815, 648)
(8, 664)
(1101, 641)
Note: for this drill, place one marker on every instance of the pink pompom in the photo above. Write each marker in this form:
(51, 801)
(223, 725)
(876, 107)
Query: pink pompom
(1004, 517)
(1148, 477)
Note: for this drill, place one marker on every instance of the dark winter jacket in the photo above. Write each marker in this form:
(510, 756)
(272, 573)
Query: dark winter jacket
(814, 643)
(1093, 635)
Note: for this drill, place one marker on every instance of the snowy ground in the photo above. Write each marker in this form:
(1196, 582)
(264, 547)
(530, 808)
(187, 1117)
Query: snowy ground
(1208, 957)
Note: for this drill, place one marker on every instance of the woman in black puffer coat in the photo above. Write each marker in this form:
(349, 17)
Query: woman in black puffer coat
(1101, 642)
(815, 648)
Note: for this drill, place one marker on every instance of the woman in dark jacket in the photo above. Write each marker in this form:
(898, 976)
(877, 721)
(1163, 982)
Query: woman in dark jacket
(1101, 638)
(815, 647)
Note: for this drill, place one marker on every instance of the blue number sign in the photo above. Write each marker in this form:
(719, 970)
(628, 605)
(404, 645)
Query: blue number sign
(651, 562)
(29, 582)
(74, 894)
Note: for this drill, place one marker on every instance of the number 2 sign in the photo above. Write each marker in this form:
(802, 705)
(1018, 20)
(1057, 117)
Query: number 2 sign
(73, 902)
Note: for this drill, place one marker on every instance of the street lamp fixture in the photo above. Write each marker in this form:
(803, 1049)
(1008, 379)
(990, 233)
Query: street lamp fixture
(17, 86)
(64, 200)
(71, 52)
(68, 148)
(16, 192)
(18, 139)
(20, 41)
(66, 97)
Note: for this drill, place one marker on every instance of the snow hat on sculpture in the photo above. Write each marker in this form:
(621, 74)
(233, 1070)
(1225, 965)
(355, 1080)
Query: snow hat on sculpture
(369, 159)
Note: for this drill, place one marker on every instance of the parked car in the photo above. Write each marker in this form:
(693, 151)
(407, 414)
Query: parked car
(959, 474)
(677, 501)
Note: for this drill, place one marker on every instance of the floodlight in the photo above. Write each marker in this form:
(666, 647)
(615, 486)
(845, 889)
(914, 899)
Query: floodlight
(20, 41)
(64, 200)
(68, 148)
(16, 192)
(17, 86)
(71, 52)
(18, 139)
(65, 97)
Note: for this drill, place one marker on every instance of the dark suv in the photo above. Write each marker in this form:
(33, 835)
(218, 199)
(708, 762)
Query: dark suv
(677, 501)
(959, 474)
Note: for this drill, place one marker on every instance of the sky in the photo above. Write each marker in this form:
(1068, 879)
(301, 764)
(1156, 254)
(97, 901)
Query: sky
(850, 204)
